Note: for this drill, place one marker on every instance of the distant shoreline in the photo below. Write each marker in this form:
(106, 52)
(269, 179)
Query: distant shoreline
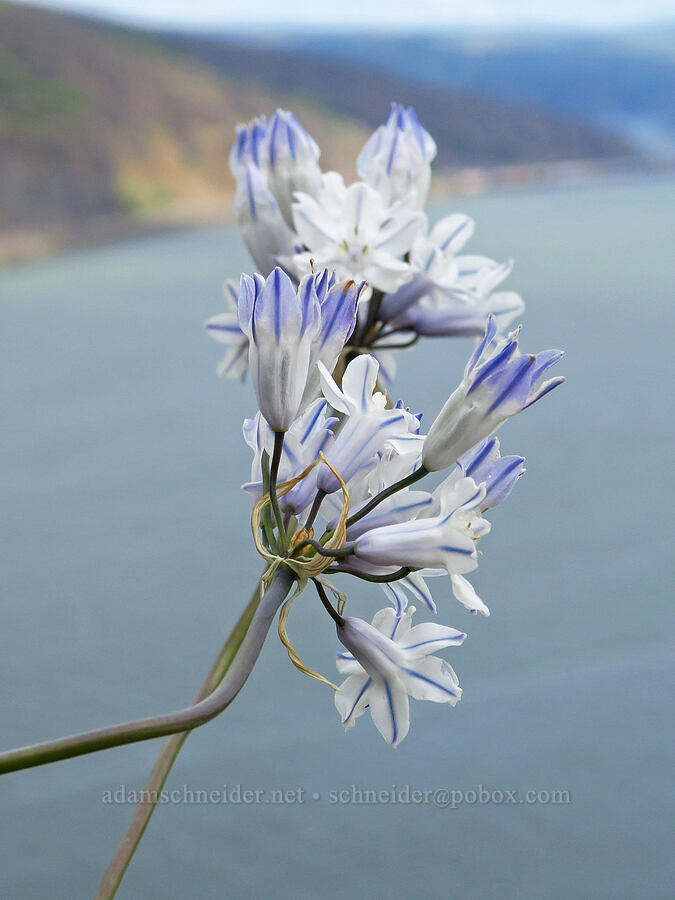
(25, 245)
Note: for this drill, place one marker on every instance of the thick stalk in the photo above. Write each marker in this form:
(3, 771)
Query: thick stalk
(168, 754)
(174, 722)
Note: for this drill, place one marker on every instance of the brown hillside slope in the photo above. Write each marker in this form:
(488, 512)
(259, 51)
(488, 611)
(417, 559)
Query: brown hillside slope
(93, 123)
(101, 126)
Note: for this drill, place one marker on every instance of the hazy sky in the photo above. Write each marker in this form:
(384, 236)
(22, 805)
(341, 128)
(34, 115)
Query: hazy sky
(398, 13)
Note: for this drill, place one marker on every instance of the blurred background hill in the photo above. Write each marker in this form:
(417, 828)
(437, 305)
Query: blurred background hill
(106, 128)
(622, 82)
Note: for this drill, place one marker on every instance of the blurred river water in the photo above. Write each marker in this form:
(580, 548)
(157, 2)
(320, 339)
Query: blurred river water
(125, 555)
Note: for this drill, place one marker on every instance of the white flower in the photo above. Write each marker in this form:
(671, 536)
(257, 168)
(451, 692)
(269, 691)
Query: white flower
(259, 218)
(498, 383)
(397, 459)
(450, 295)
(400, 457)
(389, 661)
(432, 258)
(459, 315)
(415, 585)
(307, 436)
(289, 332)
(447, 540)
(396, 158)
(338, 302)
(292, 158)
(281, 325)
(407, 505)
(225, 329)
(353, 231)
(480, 275)
(465, 592)
(485, 464)
(284, 154)
(368, 423)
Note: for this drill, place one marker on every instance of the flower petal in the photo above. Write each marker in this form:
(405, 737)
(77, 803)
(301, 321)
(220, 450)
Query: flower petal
(465, 592)
(352, 698)
(427, 638)
(432, 679)
(390, 709)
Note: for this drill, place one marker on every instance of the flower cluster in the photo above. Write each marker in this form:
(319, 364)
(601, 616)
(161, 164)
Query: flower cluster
(418, 283)
(346, 275)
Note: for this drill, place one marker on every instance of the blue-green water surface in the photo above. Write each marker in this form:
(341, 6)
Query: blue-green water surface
(125, 554)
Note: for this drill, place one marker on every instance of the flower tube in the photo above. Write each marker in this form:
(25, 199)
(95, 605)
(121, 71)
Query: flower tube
(396, 159)
(498, 383)
(281, 325)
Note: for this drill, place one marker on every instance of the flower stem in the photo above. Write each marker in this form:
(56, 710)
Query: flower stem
(174, 722)
(266, 522)
(168, 754)
(314, 511)
(274, 477)
(402, 346)
(371, 318)
(335, 552)
(387, 492)
(376, 579)
(328, 606)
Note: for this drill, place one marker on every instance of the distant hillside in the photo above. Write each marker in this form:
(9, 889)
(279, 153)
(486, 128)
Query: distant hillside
(622, 80)
(468, 129)
(101, 126)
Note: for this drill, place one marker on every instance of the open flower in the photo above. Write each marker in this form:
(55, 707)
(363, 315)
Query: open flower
(434, 268)
(396, 158)
(450, 295)
(398, 458)
(498, 382)
(387, 662)
(353, 231)
(446, 541)
(368, 423)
